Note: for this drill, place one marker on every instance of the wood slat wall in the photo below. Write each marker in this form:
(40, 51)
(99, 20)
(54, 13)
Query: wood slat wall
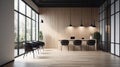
(56, 21)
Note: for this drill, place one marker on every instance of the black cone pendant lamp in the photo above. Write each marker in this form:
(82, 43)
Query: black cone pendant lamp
(70, 18)
(70, 25)
(94, 20)
(81, 18)
(91, 18)
(94, 24)
(81, 23)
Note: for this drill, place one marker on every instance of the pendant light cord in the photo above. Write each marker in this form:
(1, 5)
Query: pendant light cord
(91, 16)
(81, 18)
(70, 18)
(94, 19)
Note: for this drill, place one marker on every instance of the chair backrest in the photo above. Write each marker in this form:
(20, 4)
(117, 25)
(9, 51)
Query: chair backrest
(91, 42)
(35, 44)
(64, 42)
(41, 43)
(28, 47)
(77, 42)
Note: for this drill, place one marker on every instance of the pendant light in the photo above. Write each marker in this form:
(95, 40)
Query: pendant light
(81, 18)
(91, 18)
(70, 18)
(94, 20)
(41, 20)
(94, 24)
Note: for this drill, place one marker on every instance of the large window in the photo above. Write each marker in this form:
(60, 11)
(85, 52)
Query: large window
(113, 17)
(115, 28)
(28, 30)
(105, 27)
(25, 25)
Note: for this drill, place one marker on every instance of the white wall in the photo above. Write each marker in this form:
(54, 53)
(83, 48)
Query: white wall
(6, 31)
(32, 5)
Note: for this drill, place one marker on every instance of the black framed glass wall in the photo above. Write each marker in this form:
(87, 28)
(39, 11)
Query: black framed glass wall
(25, 25)
(104, 21)
(115, 29)
(113, 18)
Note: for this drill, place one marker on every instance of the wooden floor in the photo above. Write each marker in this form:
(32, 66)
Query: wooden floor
(57, 58)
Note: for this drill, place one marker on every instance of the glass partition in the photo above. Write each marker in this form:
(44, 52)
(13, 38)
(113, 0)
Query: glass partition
(28, 31)
(21, 6)
(16, 33)
(26, 25)
(113, 17)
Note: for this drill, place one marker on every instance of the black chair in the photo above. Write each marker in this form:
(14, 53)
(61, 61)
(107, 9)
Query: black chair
(41, 44)
(65, 43)
(91, 43)
(77, 43)
(28, 48)
(35, 46)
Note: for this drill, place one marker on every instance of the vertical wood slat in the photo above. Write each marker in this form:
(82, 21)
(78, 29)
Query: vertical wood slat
(56, 21)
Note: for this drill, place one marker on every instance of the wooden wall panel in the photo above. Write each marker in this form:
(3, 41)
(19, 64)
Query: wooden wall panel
(56, 21)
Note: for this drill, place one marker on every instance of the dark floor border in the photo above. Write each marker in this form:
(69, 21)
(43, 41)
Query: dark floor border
(6, 63)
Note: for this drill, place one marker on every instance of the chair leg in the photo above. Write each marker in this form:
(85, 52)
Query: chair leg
(81, 47)
(68, 48)
(74, 48)
(38, 50)
(87, 47)
(33, 54)
(24, 55)
(43, 48)
(94, 47)
(61, 48)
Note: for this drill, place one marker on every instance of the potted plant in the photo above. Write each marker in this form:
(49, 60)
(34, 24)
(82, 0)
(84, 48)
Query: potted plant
(96, 36)
(40, 35)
